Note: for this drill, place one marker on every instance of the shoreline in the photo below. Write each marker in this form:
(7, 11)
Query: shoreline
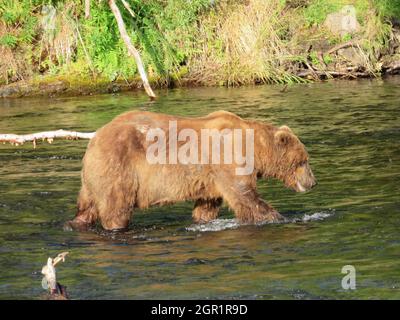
(55, 86)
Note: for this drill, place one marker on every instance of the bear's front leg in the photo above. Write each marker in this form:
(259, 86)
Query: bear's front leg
(243, 199)
(77, 224)
(252, 209)
(206, 210)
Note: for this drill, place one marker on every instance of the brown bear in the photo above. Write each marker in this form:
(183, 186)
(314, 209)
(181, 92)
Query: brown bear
(119, 173)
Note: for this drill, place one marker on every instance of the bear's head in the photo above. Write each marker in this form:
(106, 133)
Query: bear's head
(290, 161)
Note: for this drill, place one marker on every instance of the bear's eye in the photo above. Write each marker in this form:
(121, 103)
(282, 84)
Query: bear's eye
(302, 163)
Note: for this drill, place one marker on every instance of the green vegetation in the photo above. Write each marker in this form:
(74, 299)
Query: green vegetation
(317, 11)
(206, 42)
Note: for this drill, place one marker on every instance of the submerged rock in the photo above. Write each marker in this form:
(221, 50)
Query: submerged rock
(10, 91)
(195, 261)
(55, 87)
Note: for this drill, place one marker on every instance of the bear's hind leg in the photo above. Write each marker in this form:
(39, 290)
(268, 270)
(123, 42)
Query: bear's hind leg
(116, 206)
(116, 193)
(206, 210)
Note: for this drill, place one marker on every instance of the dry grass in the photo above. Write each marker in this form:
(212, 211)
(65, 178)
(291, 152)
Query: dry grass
(376, 41)
(245, 43)
(54, 44)
(13, 64)
(60, 35)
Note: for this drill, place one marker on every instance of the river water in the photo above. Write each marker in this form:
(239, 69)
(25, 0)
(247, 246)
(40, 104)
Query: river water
(352, 132)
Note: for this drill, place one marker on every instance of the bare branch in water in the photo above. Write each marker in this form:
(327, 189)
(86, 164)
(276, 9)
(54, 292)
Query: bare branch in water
(17, 139)
(50, 280)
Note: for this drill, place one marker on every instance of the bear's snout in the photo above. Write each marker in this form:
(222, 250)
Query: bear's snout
(305, 179)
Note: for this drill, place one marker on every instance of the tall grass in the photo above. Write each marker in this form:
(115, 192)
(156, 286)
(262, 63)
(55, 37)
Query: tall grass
(17, 26)
(244, 43)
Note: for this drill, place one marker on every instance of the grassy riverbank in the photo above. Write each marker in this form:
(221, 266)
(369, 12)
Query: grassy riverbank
(197, 42)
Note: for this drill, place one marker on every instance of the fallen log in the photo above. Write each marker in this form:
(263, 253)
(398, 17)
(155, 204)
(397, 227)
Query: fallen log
(17, 139)
(331, 74)
(392, 68)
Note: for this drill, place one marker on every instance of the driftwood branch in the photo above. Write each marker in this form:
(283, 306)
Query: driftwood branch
(17, 139)
(87, 9)
(50, 280)
(127, 7)
(342, 46)
(131, 49)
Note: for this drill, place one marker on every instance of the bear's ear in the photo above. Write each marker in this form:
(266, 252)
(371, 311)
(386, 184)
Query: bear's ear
(283, 137)
(286, 128)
